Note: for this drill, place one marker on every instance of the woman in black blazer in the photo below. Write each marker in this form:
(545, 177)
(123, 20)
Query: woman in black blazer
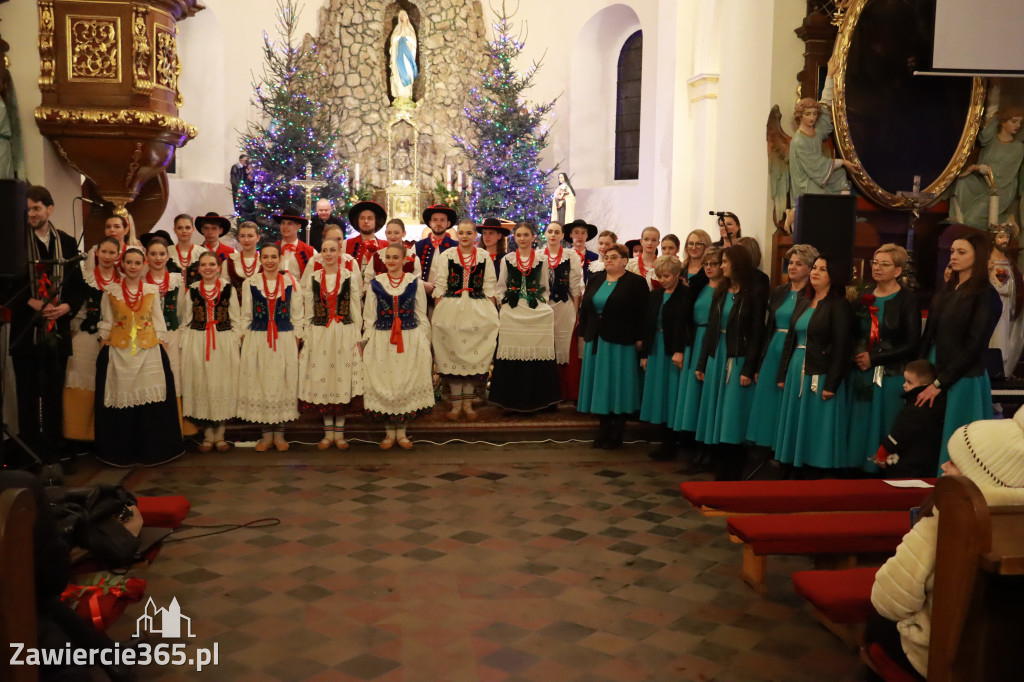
(814, 418)
(666, 304)
(611, 321)
(961, 321)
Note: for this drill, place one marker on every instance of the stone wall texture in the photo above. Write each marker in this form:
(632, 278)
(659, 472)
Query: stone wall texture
(353, 37)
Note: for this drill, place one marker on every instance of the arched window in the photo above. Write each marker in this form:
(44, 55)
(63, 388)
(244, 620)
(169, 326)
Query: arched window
(627, 108)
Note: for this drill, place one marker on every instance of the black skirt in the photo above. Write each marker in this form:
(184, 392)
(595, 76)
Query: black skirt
(143, 435)
(525, 385)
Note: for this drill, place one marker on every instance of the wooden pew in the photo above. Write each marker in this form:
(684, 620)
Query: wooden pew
(17, 583)
(733, 498)
(979, 588)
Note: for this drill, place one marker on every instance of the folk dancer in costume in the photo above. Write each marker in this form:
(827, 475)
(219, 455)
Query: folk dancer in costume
(367, 217)
(210, 338)
(295, 254)
(330, 363)
(119, 229)
(336, 233)
(464, 329)
(241, 265)
(604, 240)
(580, 232)
(494, 234)
(42, 320)
(136, 409)
(80, 384)
(525, 376)
(169, 286)
(565, 289)
(398, 382)
(272, 320)
(185, 254)
(670, 246)
(438, 218)
(393, 233)
(643, 264)
(213, 227)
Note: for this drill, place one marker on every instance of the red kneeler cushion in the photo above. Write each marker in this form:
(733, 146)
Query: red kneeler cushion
(841, 596)
(852, 533)
(887, 669)
(790, 497)
(164, 512)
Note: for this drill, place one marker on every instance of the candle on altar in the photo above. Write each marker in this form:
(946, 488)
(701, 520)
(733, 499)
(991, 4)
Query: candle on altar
(356, 183)
(459, 185)
(469, 184)
(448, 178)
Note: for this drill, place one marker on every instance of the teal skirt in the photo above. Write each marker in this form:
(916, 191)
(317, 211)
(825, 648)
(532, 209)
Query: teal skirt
(661, 385)
(764, 414)
(724, 403)
(872, 409)
(812, 432)
(610, 379)
(968, 400)
(688, 403)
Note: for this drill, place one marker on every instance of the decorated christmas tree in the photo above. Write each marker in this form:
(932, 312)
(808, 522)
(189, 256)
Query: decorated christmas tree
(510, 136)
(292, 130)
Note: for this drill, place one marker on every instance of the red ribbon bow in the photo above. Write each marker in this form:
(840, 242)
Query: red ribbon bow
(211, 321)
(272, 308)
(396, 327)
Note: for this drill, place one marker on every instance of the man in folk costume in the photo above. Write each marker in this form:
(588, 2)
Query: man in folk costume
(213, 227)
(40, 331)
(367, 217)
(295, 254)
(438, 218)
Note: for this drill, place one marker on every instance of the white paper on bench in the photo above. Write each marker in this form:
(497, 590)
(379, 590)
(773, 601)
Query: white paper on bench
(910, 483)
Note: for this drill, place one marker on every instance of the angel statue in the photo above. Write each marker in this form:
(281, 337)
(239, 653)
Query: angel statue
(563, 201)
(804, 164)
(1006, 278)
(995, 173)
(403, 58)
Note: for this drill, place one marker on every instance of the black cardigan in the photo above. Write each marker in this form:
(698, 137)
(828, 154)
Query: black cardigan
(828, 341)
(623, 317)
(899, 332)
(685, 331)
(775, 301)
(960, 325)
(678, 306)
(743, 329)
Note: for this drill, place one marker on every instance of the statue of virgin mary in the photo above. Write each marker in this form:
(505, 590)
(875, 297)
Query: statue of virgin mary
(403, 58)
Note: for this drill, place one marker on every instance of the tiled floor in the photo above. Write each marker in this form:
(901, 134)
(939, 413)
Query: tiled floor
(519, 565)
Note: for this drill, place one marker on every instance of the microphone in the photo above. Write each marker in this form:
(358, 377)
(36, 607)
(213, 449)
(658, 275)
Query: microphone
(62, 261)
(720, 214)
(90, 201)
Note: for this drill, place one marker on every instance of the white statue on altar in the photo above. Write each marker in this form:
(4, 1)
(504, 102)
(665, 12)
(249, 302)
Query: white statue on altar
(403, 58)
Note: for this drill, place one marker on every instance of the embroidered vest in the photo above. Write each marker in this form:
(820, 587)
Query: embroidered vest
(124, 319)
(386, 307)
(342, 304)
(476, 280)
(170, 307)
(220, 310)
(236, 277)
(93, 312)
(528, 287)
(426, 252)
(559, 282)
(192, 273)
(261, 310)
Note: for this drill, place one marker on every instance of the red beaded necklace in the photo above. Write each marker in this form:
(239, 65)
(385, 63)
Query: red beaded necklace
(102, 283)
(553, 262)
(133, 301)
(467, 263)
(246, 271)
(522, 266)
(181, 259)
(395, 283)
(640, 266)
(164, 286)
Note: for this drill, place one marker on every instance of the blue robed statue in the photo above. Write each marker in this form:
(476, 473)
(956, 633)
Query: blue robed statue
(403, 58)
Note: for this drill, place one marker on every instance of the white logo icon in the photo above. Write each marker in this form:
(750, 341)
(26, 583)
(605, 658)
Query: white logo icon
(164, 622)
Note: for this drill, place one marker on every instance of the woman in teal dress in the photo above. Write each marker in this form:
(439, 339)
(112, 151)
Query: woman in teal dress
(610, 324)
(888, 335)
(688, 401)
(764, 415)
(728, 362)
(814, 417)
(662, 337)
(961, 321)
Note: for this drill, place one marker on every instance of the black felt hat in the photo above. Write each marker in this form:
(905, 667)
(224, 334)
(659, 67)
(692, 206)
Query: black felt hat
(632, 244)
(287, 213)
(378, 211)
(145, 239)
(499, 224)
(579, 222)
(213, 217)
(429, 211)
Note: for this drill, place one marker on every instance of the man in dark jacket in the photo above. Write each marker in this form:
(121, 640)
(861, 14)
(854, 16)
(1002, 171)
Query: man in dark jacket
(41, 326)
(911, 450)
(323, 217)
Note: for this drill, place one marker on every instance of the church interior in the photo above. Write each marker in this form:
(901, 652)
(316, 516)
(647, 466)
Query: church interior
(510, 545)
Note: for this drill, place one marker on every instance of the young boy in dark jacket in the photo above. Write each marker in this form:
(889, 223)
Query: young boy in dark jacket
(911, 450)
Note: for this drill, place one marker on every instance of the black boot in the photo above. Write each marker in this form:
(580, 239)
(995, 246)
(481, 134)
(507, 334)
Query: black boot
(603, 432)
(618, 428)
(666, 452)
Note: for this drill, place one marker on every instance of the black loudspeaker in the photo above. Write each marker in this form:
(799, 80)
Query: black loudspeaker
(13, 232)
(828, 222)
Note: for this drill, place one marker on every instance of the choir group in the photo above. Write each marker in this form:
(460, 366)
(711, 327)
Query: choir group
(692, 339)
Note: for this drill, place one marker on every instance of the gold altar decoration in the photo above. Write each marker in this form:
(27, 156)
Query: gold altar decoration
(109, 72)
(404, 197)
(872, 189)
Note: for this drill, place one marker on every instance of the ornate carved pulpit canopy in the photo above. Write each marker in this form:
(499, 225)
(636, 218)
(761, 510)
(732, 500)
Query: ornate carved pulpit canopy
(109, 76)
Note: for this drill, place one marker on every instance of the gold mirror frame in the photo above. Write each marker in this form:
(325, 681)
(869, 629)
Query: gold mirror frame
(846, 148)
